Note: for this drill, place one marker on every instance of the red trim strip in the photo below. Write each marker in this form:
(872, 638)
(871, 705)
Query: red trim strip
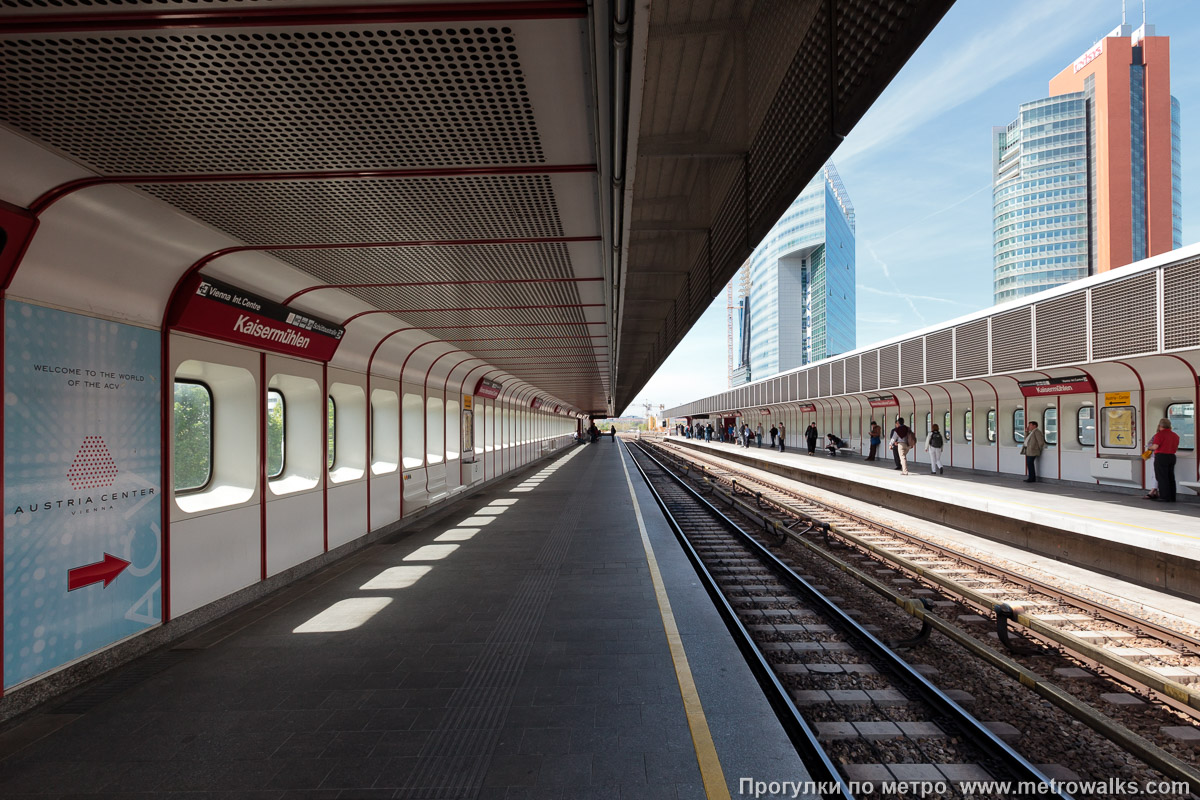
(52, 196)
(353, 317)
(325, 440)
(262, 462)
(297, 16)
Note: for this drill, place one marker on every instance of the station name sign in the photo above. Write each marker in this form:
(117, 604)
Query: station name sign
(806, 408)
(889, 401)
(1073, 384)
(223, 311)
(488, 388)
(535, 403)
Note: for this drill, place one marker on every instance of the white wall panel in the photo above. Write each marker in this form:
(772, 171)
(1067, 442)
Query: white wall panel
(295, 530)
(213, 556)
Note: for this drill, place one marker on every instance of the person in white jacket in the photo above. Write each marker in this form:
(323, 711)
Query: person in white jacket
(934, 442)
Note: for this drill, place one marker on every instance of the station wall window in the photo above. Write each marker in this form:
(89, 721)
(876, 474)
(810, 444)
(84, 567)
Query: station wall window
(928, 422)
(946, 427)
(330, 432)
(412, 430)
(1085, 426)
(193, 436)
(480, 414)
(385, 431)
(227, 453)
(1019, 425)
(1183, 422)
(275, 433)
(991, 426)
(295, 450)
(1050, 426)
(968, 430)
(1119, 427)
(435, 424)
(346, 409)
(453, 426)
(489, 428)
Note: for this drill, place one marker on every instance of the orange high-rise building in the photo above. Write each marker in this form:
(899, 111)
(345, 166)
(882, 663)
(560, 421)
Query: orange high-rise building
(1088, 179)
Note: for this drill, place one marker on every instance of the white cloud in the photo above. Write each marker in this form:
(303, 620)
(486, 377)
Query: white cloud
(972, 68)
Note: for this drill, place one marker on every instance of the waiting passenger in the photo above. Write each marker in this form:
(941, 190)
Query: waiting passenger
(833, 444)
(759, 434)
(708, 432)
(899, 443)
(810, 435)
(876, 439)
(933, 446)
(892, 439)
(782, 435)
(1035, 443)
(612, 432)
(774, 435)
(1164, 443)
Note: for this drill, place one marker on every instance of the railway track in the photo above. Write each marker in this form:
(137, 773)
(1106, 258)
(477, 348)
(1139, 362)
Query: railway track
(1120, 651)
(844, 697)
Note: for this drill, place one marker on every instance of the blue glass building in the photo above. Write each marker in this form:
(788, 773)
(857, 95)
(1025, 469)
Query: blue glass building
(801, 301)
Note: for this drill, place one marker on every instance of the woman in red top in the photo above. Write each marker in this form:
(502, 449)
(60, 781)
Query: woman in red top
(1164, 444)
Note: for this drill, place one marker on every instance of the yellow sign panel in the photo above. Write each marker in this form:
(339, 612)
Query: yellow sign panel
(1116, 398)
(1118, 427)
(468, 402)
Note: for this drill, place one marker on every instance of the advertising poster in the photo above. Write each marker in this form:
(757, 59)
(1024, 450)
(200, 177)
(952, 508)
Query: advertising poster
(82, 500)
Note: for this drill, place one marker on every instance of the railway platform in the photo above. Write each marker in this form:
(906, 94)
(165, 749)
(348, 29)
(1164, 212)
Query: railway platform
(1151, 544)
(517, 646)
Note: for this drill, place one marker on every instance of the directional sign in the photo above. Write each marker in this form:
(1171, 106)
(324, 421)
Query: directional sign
(106, 570)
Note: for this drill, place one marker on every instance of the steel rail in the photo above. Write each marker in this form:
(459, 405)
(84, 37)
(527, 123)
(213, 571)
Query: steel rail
(1175, 693)
(980, 735)
(1112, 730)
(803, 737)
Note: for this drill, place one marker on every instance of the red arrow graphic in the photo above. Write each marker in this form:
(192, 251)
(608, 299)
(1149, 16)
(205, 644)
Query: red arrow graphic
(106, 570)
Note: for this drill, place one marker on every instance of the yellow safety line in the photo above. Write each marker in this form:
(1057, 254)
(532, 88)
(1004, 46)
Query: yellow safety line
(1025, 505)
(711, 773)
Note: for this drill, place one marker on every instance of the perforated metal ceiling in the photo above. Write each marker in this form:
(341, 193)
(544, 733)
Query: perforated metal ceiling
(275, 100)
(734, 120)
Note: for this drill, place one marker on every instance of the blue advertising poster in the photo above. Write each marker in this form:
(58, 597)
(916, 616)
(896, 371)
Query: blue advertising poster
(82, 495)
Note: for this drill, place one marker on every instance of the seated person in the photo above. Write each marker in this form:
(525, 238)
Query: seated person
(833, 444)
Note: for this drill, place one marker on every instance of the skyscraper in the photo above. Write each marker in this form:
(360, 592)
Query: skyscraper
(1088, 179)
(801, 300)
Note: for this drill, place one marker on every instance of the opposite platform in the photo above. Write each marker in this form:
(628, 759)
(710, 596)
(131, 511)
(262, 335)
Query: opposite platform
(514, 649)
(1152, 544)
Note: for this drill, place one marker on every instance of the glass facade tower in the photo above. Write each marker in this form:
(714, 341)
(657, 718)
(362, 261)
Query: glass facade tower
(801, 298)
(1088, 179)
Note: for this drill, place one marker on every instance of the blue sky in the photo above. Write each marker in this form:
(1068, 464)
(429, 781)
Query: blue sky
(918, 166)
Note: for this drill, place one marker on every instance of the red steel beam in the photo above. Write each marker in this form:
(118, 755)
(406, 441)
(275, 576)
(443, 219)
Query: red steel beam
(464, 308)
(296, 16)
(52, 196)
(477, 282)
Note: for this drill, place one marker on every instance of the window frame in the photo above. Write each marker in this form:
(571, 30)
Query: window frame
(1018, 433)
(1046, 425)
(330, 433)
(968, 425)
(1079, 428)
(282, 435)
(212, 439)
(1167, 414)
(946, 428)
(992, 430)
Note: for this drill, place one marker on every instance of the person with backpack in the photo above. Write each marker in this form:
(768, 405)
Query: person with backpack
(876, 439)
(933, 445)
(899, 443)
